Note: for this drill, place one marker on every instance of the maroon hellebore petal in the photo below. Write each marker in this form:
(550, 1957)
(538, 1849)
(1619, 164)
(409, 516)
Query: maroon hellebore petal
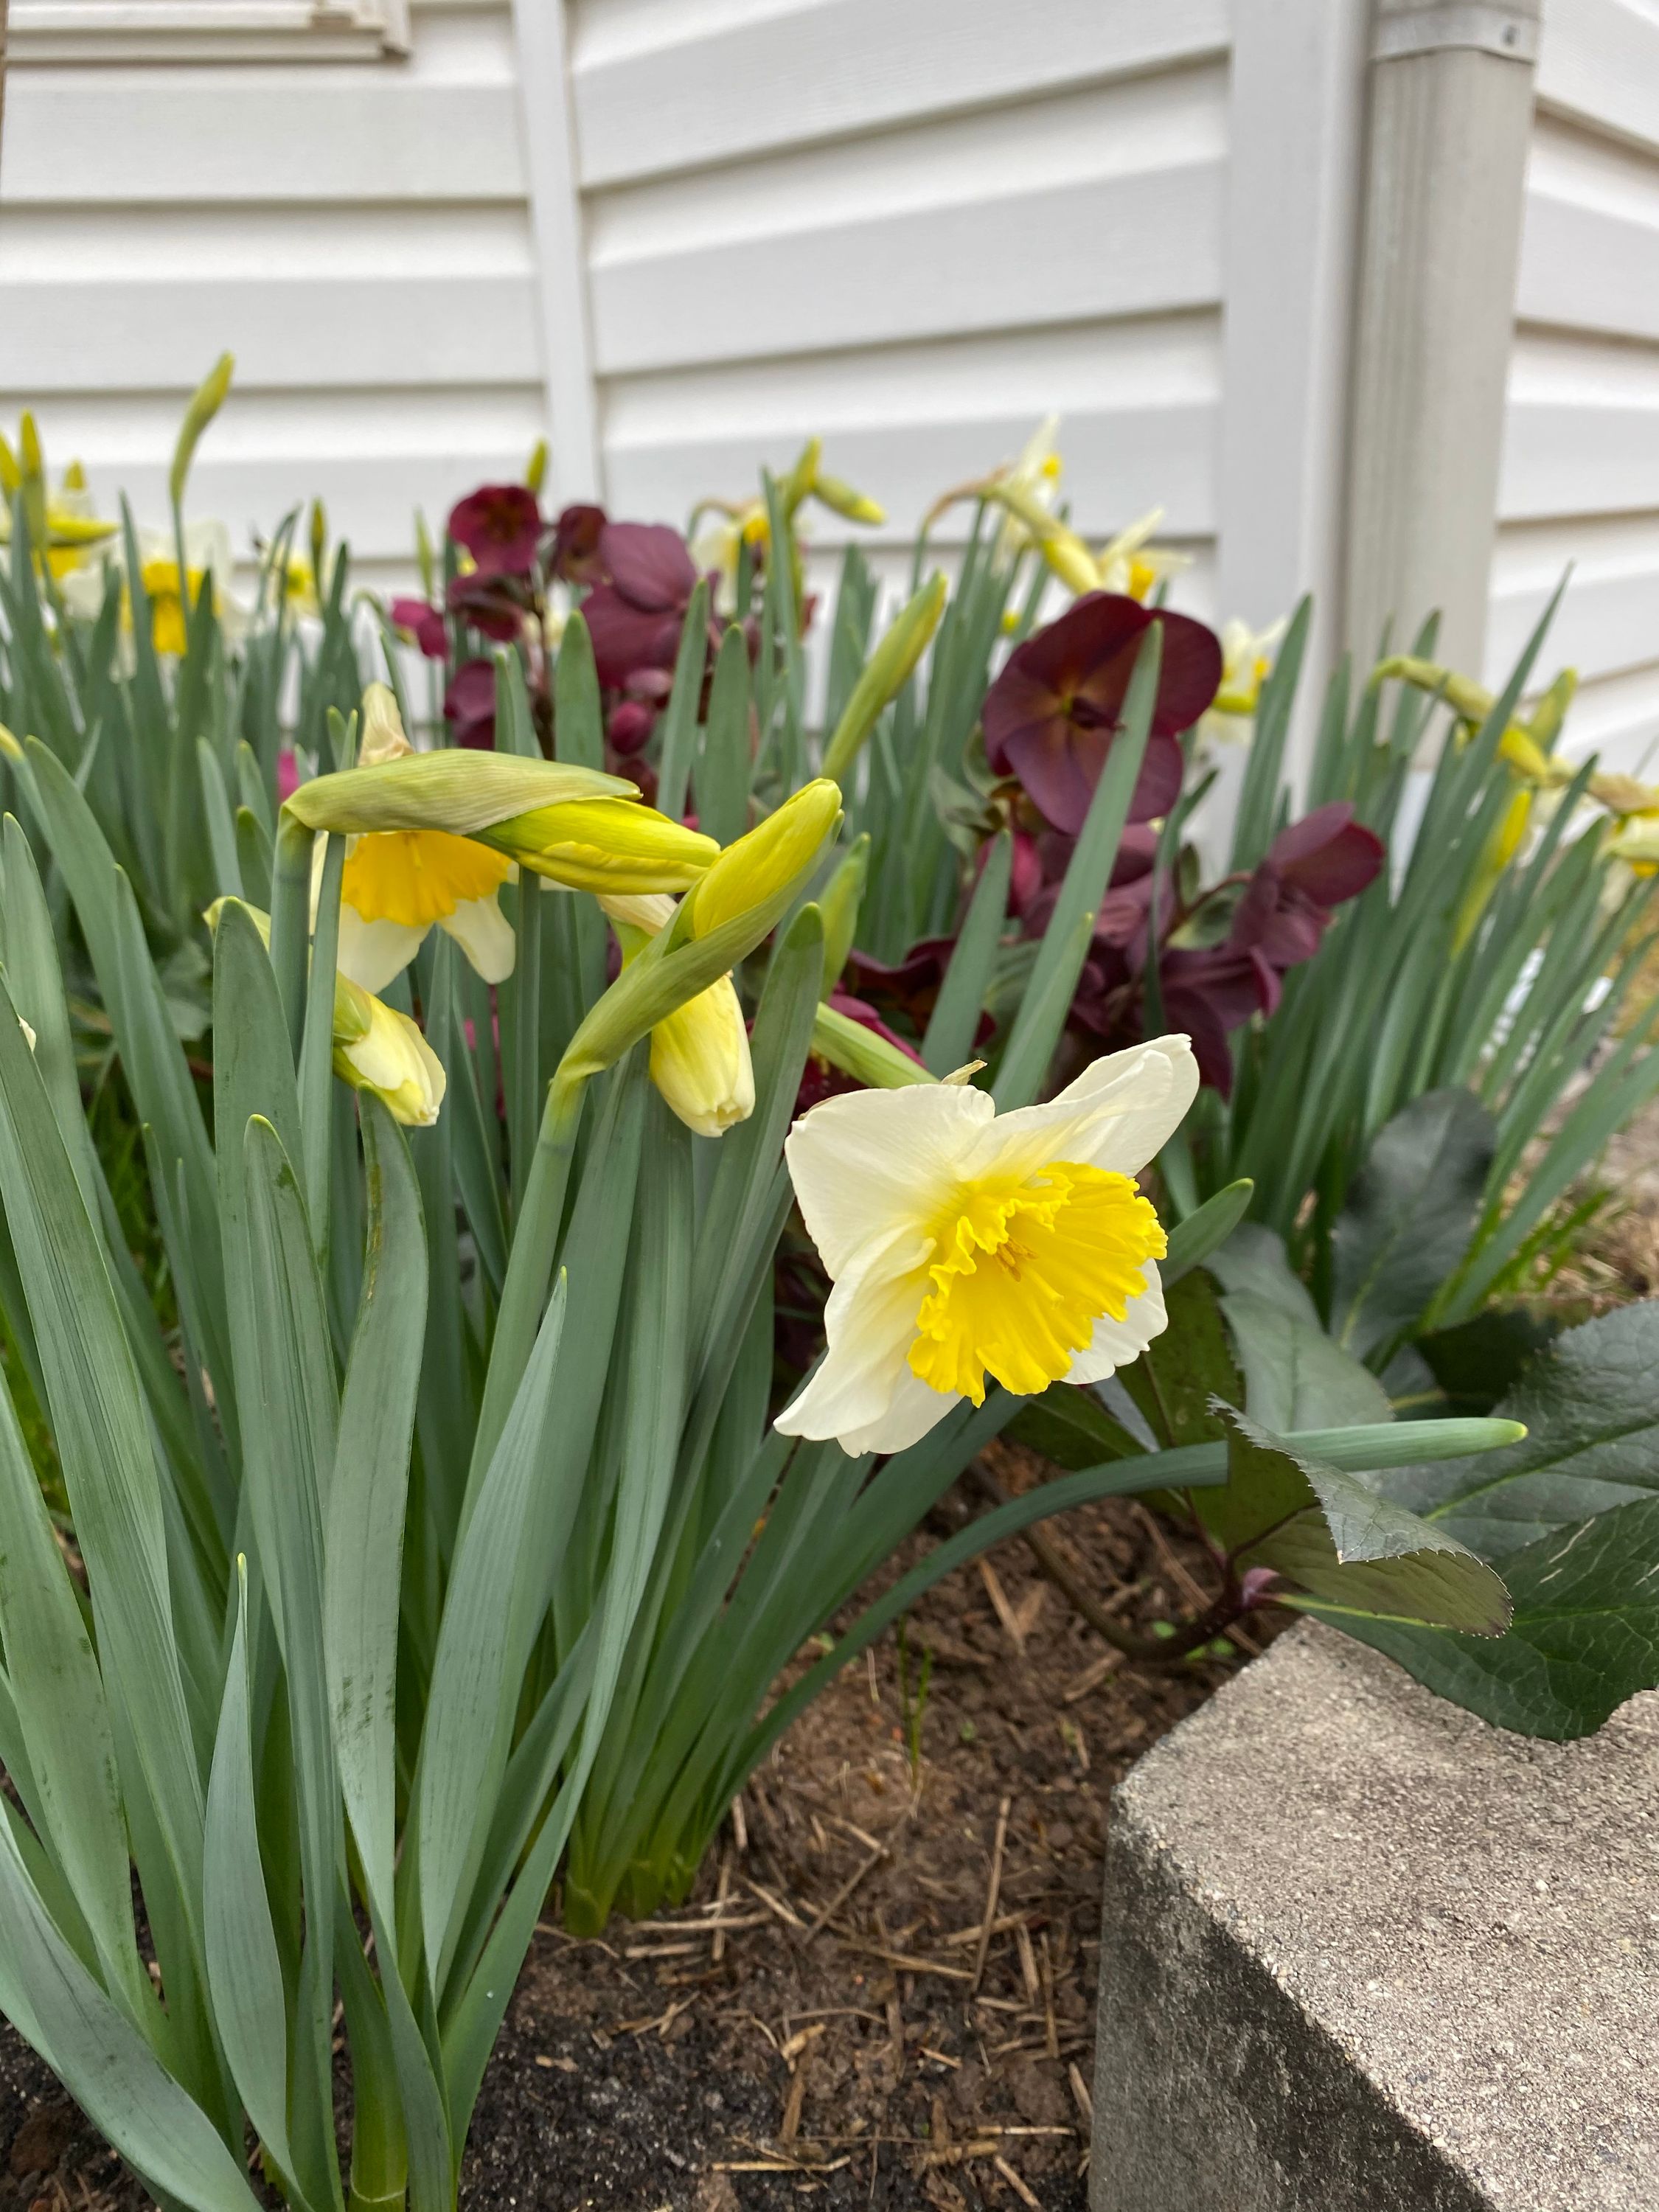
(500, 526)
(1050, 716)
(425, 623)
(630, 724)
(627, 638)
(470, 705)
(649, 565)
(487, 603)
(576, 546)
(1327, 854)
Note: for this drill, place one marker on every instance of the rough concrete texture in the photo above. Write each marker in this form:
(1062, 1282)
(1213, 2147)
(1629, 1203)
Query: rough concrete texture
(1362, 1952)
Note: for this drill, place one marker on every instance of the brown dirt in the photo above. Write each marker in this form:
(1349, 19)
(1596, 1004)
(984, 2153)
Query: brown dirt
(831, 2040)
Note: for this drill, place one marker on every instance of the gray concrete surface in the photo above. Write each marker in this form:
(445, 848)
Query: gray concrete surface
(1362, 1952)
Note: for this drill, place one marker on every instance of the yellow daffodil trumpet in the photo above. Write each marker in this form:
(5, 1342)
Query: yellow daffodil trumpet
(965, 1244)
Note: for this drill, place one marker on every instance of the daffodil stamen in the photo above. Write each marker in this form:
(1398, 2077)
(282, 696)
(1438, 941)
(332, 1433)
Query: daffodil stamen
(1023, 1273)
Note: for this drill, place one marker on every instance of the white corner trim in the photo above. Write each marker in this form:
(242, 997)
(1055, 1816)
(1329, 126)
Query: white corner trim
(561, 253)
(103, 31)
(1508, 28)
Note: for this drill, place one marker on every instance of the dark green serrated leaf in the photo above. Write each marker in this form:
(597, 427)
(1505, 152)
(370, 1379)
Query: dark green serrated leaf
(1590, 1403)
(1584, 1638)
(1410, 1215)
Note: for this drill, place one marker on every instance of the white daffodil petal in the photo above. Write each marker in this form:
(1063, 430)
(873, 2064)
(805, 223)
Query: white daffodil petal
(915, 1408)
(863, 1163)
(1117, 1114)
(870, 1324)
(1120, 1343)
(483, 933)
(372, 952)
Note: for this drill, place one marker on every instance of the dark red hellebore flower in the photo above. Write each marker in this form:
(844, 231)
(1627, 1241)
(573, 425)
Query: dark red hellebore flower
(500, 526)
(1052, 713)
(487, 604)
(425, 623)
(470, 705)
(634, 620)
(576, 536)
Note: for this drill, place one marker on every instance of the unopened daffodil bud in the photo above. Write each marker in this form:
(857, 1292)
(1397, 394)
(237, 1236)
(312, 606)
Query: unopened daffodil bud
(885, 674)
(12, 476)
(1501, 849)
(700, 1053)
(383, 737)
(762, 871)
(375, 1047)
(535, 473)
(839, 904)
(318, 542)
(842, 499)
(603, 845)
(1623, 795)
(862, 1054)
(205, 403)
(1551, 713)
(743, 897)
(801, 479)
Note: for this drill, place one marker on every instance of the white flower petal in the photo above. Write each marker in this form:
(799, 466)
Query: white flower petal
(915, 1408)
(485, 935)
(863, 1163)
(373, 953)
(1120, 1343)
(1116, 1115)
(870, 1324)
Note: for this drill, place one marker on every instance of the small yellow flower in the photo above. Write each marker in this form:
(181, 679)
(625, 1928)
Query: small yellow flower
(963, 1244)
(700, 1053)
(752, 872)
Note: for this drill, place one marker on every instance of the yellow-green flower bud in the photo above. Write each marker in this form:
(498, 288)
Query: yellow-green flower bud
(885, 674)
(603, 845)
(205, 403)
(859, 1052)
(535, 472)
(379, 1049)
(12, 476)
(841, 499)
(839, 906)
(463, 792)
(1552, 710)
(762, 871)
(801, 479)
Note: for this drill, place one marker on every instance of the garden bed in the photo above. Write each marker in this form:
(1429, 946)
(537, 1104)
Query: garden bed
(664, 2066)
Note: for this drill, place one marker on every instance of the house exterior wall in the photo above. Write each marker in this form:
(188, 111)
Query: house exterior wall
(1580, 481)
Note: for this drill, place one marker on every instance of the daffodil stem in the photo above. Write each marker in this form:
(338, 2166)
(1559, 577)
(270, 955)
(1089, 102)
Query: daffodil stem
(317, 1049)
(290, 918)
(529, 1269)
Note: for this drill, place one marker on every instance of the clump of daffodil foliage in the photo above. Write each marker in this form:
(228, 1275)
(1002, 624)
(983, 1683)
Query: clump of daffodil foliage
(453, 1533)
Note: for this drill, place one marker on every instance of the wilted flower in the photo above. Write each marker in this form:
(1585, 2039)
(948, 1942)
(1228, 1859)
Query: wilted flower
(1051, 715)
(964, 1244)
(500, 526)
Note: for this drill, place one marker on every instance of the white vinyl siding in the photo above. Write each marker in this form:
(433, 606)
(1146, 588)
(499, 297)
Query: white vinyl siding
(1581, 463)
(912, 232)
(355, 232)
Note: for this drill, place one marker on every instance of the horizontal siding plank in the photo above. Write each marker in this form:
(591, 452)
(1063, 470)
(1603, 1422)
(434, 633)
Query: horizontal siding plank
(1562, 457)
(83, 138)
(689, 91)
(1136, 456)
(1599, 61)
(1589, 267)
(67, 335)
(1153, 242)
(1608, 620)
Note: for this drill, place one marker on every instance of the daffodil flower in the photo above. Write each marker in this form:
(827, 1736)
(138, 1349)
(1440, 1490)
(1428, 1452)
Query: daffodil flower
(208, 558)
(1246, 660)
(398, 883)
(700, 1053)
(963, 1244)
(1131, 562)
(1034, 477)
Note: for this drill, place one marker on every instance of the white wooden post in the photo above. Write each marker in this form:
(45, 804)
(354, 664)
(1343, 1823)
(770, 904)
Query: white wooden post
(1451, 103)
(556, 212)
(1295, 128)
